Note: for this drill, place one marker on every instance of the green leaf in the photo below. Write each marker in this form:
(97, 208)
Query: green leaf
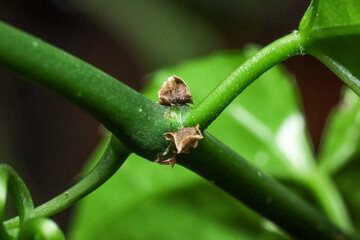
(342, 134)
(264, 124)
(326, 18)
(347, 180)
(147, 200)
(339, 153)
(330, 31)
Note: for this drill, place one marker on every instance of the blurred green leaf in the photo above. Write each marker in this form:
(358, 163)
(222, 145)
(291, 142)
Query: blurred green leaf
(339, 153)
(150, 201)
(330, 30)
(347, 180)
(40, 229)
(342, 134)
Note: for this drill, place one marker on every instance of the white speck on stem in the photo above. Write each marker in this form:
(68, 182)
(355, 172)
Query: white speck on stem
(140, 109)
(35, 44)
(301, 48)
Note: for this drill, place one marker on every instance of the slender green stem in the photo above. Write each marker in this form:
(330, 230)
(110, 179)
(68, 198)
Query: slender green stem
(226, 169)
(20, 193)
(12, 183)
(329, 199)
(132, 117)
(213, 104)
(114, 156)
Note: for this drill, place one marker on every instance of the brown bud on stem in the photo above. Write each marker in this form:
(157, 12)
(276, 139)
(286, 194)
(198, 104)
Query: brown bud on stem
(174, 92)
(185, 138)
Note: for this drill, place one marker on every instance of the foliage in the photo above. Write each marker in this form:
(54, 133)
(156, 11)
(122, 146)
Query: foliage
(331, 32)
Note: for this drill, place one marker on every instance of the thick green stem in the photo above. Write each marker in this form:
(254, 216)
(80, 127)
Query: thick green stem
(213, 104)
(114, 156)
(133, 118)
(223, 167)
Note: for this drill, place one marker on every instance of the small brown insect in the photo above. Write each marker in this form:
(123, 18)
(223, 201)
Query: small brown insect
(174, 92)
(185, 138)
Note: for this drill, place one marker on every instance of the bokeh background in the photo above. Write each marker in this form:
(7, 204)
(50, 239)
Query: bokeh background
(47, 140)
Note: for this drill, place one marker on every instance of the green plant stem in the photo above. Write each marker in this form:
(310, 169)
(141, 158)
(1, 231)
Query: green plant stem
(329, 199)
(216, 101)
(114, 156)
(19, 192)
(132, 117)
(12, 183)
(223, 167)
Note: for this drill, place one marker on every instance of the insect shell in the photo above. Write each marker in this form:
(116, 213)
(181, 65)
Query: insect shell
(174, 92)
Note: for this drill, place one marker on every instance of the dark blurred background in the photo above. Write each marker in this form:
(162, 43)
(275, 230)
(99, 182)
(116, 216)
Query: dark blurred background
(47, 140)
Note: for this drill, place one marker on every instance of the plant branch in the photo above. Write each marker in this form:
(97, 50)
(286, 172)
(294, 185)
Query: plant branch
(218, 99)
(132, 117)
(226, 169)
(114, 156)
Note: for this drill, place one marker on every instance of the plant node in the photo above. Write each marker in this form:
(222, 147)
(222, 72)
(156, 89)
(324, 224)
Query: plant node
(175, 92)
